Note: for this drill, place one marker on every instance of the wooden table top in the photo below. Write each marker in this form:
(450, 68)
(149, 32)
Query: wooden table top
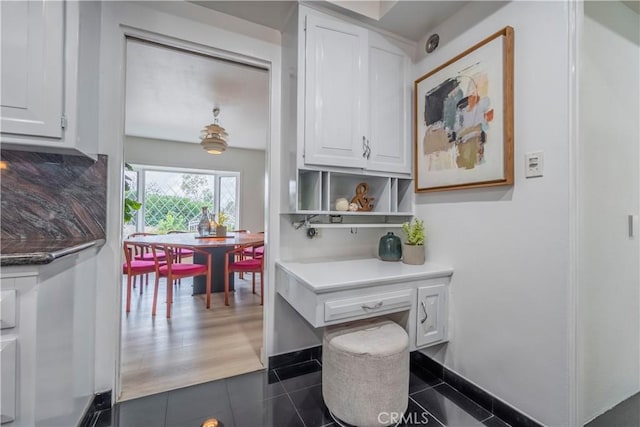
(191, 240)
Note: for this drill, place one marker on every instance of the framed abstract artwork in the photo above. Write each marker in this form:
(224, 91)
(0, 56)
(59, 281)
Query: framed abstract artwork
(464, 119)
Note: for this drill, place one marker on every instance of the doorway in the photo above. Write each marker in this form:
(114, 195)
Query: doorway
(609, 203)
(196, 344)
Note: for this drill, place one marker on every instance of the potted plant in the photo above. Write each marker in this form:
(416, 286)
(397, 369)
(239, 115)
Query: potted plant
(131, 206)
(413, 248)
(221, 224)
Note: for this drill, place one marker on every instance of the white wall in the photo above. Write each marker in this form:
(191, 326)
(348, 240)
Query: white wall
(509, 245)
(183, 24)
(249, 163)
(610, 184)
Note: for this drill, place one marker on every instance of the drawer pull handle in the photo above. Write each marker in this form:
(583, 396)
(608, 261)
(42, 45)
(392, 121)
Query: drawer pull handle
(372, 307)
(424, 310)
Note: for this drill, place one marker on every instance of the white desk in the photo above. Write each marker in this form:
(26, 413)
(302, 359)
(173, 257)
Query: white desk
(327, 292)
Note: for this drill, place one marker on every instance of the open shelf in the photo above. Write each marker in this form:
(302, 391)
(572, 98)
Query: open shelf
(319, 190)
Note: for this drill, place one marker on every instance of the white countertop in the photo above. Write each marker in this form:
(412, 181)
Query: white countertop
(324, 275)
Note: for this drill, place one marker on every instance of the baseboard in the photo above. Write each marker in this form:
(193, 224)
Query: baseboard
(294, 357)
(486, 400)
(99, 403)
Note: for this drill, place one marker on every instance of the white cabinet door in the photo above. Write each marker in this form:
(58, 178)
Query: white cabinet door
(32, 67)
(335, 93)
(389, 101)
(431, 315)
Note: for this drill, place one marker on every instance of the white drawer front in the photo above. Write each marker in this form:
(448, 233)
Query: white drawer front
(367, 305)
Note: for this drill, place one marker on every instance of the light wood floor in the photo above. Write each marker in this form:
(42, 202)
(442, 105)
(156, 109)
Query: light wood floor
(196, 345)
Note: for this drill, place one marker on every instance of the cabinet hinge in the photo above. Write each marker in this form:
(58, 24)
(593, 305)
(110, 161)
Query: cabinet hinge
(63, 122)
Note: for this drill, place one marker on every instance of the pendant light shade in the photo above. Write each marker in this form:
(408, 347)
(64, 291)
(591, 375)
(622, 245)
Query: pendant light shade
(214, 137)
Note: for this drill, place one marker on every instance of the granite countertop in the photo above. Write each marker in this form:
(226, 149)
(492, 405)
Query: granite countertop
(37, 252)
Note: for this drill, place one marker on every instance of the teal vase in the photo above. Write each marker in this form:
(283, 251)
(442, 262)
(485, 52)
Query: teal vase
(390, 247)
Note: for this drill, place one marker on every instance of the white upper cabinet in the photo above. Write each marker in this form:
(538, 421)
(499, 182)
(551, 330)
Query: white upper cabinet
(336, 92)
(49, 75)
(32, 67)
(389, 98)
(356, 98)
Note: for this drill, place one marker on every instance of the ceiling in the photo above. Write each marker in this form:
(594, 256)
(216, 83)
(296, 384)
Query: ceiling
(410, 19)
(170, 95)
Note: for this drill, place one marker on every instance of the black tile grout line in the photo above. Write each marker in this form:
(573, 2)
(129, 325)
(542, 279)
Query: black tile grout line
(423, 408)
(295, 408)
(226, 387)
(166, 408)
(485, 419)
(427, 388)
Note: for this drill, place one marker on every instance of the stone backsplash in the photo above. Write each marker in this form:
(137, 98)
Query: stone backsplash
(51, 198)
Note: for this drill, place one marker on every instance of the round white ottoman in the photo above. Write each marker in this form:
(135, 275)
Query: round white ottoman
(365, 372)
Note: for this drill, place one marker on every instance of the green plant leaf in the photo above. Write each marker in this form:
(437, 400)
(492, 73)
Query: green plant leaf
(415, 232)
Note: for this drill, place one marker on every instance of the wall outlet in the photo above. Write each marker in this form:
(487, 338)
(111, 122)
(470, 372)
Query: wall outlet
(534, 164)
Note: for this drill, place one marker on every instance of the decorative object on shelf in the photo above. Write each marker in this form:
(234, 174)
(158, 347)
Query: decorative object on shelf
(204, 226)
(214, 137)
(413, 248)
(342, 204)
(361, 199)
(221, 228)
(353, 207)
(390, 247)
(464, 119)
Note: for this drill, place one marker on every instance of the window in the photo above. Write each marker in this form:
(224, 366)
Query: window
(172, 199)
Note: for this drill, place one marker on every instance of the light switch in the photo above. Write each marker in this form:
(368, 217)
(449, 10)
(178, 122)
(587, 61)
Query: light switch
(534, 164)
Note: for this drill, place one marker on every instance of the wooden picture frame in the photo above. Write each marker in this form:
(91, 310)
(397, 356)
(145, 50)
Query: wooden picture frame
(463, 119)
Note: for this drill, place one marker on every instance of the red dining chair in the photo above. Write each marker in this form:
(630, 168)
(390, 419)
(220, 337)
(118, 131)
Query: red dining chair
(143, 253)
(133, 267)
(173, 270)
(181, 253)
(257, 252)
(248, 265)
(254, 252)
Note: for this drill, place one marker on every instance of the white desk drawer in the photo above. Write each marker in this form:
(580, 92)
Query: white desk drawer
(367, 305)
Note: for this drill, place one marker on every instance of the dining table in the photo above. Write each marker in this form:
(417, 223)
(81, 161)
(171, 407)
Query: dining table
(216, 246)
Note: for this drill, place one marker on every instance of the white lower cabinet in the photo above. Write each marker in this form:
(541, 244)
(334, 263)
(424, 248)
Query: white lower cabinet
(47, 341)
(431, 315)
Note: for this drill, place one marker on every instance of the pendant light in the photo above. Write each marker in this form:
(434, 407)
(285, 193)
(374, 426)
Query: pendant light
(214, 137)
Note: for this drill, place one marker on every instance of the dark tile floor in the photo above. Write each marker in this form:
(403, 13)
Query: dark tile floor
(288, 396)
(625, 414)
